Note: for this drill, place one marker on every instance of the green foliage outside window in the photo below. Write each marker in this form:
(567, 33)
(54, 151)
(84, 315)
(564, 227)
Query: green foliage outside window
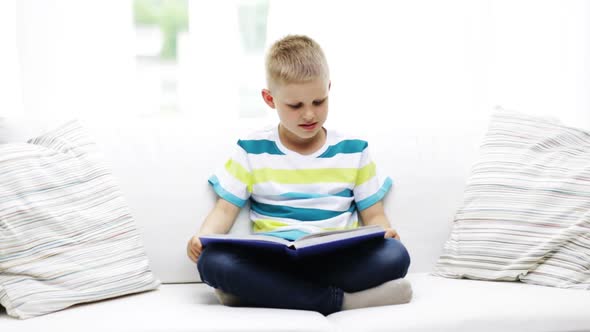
(171, 16)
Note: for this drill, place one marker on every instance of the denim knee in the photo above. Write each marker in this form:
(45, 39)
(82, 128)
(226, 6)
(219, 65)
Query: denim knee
(214, 263)
(397, 259)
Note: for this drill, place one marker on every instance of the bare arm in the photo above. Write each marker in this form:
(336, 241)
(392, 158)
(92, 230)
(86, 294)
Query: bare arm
(219, 221)
(375, 215)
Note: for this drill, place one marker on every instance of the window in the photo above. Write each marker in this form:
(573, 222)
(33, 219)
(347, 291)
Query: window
(252, 18)
(159, 26)
(183, 47)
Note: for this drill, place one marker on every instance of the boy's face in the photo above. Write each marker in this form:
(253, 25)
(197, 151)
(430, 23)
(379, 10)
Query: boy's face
(302, 108)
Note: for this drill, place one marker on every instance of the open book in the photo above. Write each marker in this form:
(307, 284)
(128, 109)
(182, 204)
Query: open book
(307, 245)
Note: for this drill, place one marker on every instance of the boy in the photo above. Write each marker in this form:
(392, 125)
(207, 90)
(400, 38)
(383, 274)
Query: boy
(301, 178)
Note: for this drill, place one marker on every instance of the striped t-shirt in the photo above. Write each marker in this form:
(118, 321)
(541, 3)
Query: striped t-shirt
(291, 194)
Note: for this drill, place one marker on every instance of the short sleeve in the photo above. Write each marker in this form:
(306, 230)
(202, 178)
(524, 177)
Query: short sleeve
(369, 187)
(233, 181)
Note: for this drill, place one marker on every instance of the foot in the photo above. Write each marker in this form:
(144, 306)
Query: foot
(396, 291)
(226, 298)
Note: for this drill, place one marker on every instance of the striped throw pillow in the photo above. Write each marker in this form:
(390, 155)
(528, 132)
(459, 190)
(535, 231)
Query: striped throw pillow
(66, 235)
(526, 210)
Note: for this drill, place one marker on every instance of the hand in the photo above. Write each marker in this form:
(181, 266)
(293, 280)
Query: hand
(391, 233)
(194, 248)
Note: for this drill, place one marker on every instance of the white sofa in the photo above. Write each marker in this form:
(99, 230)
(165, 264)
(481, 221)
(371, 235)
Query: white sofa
(162, 166)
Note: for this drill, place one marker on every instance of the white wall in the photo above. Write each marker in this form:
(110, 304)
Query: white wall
(444, 65)
(541, 58)
(11, 102)
(77, 56)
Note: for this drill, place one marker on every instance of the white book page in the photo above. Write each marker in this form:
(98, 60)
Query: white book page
(250, 237)
(329, 236)
(321, 234)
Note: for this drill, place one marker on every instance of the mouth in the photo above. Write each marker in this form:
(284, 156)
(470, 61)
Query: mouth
(309, 126)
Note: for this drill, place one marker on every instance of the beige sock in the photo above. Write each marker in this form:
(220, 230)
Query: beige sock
(226, 298)
(396, 291)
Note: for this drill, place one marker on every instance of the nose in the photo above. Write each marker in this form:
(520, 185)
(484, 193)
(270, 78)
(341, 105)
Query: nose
(308, 114)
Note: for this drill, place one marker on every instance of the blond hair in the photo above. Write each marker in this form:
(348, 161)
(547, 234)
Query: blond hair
(295, 59)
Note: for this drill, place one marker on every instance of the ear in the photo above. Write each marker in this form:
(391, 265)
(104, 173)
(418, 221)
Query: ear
(268, 98)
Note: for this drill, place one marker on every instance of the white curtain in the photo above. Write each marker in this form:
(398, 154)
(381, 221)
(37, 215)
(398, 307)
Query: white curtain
(403, 64)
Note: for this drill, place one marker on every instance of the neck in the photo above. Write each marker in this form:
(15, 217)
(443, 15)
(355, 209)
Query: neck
(302, 145)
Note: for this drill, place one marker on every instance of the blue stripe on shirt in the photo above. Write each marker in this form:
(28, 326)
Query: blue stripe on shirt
(345, 146)
(376, 197)
(214, 181)
(290, 235)
(260, 146)
(301, 214)
(298, 195)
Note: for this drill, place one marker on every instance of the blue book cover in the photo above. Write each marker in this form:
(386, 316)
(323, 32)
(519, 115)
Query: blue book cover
(312, 244)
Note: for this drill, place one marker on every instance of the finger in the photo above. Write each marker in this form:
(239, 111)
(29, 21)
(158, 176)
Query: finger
(189, 251)
(198, 247)
(392, 234)
(196, 253)
(191, 256)
(195, 245)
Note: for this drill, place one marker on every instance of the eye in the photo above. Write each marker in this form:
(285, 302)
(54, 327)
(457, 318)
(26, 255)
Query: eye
(319, 102)
(296, 106)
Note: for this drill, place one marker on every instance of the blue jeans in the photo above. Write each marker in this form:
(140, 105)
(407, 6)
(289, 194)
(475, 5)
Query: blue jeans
(315, 283)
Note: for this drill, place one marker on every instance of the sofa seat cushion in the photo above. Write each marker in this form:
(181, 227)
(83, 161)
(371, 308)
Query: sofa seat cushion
(442, 304)
(173, 307)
